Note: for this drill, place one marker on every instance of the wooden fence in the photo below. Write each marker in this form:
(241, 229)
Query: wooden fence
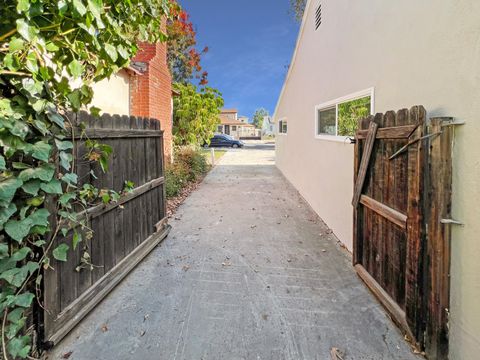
(124, 232)
(402, 198)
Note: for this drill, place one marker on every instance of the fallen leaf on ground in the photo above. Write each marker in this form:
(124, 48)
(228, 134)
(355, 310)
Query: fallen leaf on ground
(185, 267)
(67, 355)
(104, 328)
(142, 332)
(336, 354)
(265, 317)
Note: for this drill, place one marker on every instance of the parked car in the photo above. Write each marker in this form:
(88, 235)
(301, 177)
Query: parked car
(221, 140)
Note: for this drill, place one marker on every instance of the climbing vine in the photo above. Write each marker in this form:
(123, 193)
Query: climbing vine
(51, 51)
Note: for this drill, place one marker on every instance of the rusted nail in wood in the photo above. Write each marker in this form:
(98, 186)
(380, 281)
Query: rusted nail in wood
(414, 141)
(451, 222)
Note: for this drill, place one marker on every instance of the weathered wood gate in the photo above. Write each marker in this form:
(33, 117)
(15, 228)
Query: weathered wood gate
(402, 197)
(123, 232)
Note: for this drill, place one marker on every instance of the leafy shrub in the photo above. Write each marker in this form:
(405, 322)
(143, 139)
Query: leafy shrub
(176, 176)
(189, 165)
(51, 53)
(193, 160)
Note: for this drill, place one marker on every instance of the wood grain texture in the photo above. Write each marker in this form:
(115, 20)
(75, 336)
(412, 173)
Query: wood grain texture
(415, 225)
(386, 212)
(362, 172)
(401, 248)
(389, 132)
(120, 228)
(439, 238)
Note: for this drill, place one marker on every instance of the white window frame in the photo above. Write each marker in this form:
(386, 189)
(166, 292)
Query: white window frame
(334, 103)
(278, 126)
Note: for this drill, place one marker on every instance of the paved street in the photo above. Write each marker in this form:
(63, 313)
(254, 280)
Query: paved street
(248, 272)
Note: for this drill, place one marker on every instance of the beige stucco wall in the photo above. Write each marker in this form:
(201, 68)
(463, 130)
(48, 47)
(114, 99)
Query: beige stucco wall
(112, 95)
(412, 52)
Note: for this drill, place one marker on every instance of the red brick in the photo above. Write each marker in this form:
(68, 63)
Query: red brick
(151, 92)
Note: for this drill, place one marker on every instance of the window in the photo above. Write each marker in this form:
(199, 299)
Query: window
(318, 16)
(340, 117)
(220, 128)
(282, 126)
(234, 128)
(327, 121)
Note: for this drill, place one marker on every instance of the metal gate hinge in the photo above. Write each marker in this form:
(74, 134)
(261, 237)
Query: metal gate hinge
(453, 122)
(451, 222)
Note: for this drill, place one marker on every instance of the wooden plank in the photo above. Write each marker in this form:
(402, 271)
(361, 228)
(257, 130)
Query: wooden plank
(364, 163)
(415, 228)
(78, 309)
(358, 211)
(142, 180)
(390, 256)
(115, 133)
(163, 194)
(119, 171)
(383, 210)
(82, 170)
(398, 315)
(135, 155)
(154, 163)
(149, 171)
(376, 173)
(439, 238)
(400, 196)
(367, 213)
(159, 159)
(108, 218)
(390, 132)
(68, 284)
(128, 211)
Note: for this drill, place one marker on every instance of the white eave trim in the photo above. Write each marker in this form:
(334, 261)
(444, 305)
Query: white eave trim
(292, 63)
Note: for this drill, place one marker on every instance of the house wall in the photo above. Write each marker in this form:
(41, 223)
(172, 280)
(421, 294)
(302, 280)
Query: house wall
(413, 53)
(112, 95)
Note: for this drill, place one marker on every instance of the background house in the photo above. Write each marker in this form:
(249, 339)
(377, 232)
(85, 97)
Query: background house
(230, 124)
(244, 119)
(143, 89)
(268, 126)
(390, 55)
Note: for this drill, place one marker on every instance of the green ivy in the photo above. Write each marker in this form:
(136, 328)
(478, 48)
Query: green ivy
(51, 52)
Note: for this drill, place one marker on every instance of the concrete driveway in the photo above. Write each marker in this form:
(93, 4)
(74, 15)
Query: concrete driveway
(248, 272)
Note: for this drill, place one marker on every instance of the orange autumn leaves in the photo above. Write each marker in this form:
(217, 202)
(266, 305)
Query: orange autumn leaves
(183, 56)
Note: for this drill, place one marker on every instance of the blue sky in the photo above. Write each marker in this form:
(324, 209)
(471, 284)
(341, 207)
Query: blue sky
(251, 43)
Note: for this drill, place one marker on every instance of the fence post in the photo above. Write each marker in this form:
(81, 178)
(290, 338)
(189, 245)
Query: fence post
(439, 237)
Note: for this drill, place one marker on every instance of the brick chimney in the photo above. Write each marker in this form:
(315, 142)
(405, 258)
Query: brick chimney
(151, 91)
